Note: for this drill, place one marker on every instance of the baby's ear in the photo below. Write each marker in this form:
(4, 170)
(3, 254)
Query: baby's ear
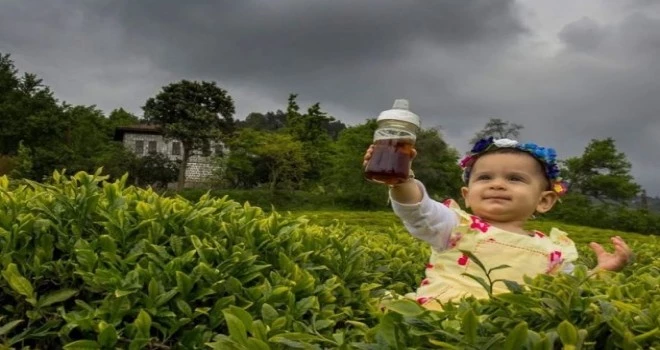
(464, 193)
(546, 201)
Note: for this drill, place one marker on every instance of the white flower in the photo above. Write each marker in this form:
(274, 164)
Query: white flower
(505, 143)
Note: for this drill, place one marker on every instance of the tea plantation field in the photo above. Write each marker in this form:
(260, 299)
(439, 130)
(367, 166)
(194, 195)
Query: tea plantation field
(88, 264)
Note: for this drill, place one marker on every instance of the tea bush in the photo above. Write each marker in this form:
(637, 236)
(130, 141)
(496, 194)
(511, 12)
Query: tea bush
(88, 264)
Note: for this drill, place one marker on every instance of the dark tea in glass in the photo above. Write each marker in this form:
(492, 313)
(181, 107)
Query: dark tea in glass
(390, 161)
(393, 143)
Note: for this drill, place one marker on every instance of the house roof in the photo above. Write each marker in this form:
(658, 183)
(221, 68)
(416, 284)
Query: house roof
(149, 129)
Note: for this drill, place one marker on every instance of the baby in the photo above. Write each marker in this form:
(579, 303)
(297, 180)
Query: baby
(506, 183)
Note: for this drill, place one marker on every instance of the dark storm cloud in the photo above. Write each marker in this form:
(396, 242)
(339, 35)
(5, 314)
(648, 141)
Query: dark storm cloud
(585, 34)
(358, 55)
(620, 89)
(285, 40)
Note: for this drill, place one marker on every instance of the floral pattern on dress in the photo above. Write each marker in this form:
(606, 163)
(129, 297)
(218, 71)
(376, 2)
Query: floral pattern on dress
(463, 260)
(555, 262)
(479, 224)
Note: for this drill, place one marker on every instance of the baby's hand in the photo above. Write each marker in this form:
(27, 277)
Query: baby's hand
(370, 151)
(612, 261)
(367, 155)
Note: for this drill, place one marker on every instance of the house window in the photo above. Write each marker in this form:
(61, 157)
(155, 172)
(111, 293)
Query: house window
(139, 147)
(176, 148)
(152, 147)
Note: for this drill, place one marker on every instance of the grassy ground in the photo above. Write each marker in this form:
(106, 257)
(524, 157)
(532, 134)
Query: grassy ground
(386, 220)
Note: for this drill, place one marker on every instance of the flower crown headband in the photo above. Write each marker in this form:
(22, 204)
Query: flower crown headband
(547, 156)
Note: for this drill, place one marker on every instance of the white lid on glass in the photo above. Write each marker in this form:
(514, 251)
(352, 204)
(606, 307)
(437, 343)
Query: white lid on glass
(400, 111)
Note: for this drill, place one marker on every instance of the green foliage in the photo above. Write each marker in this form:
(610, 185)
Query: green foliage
(579, 209)
(312, 130)
(23, 166)
(344, 179)
(120, 117)
(91, 264)
(286, 199)
(602, 172)
(259, 157)
(271, 121)
(41, 135)
(437, 165)
(155, 170)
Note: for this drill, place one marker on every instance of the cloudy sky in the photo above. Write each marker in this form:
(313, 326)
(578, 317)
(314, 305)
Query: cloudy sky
(569, 71)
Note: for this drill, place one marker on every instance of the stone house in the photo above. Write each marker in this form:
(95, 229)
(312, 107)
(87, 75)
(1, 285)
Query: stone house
(144, 139)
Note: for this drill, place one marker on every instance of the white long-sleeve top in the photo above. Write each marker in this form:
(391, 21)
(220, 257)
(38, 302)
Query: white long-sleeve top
(433, 222)
(427, 220)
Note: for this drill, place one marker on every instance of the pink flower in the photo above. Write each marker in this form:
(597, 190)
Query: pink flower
(425, 282)
(539, 234)
(466, 161)
(422, 300)
(555, 261)
(447, 202)
(555, 256)
(463, 260)
(429, 266)
(479, 224)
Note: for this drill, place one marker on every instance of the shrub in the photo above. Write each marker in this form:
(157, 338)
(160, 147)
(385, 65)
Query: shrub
(88, 264)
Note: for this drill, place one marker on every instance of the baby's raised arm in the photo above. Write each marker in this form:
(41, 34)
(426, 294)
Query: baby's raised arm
(425, 218)
(422, 216)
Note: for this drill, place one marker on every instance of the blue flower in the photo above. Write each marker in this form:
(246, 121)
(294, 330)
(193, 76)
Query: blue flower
(528, 147)
(539, 152)
(482, 144)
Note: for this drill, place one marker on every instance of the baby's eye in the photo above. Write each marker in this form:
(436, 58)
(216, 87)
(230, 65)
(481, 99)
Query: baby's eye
(515, 178)
(483, 177)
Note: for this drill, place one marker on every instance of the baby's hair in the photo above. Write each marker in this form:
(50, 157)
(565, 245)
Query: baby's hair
(507, 150)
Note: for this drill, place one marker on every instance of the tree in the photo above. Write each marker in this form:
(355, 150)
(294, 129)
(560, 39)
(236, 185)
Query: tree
(10, 98)
(437, 164)
(271, 121)
(312, 129)
(30, 116)
(602, 172)
(195, 113)
(345, 176)
(265, 157)
(498, 128)
(120, 117)
(28, 112)
(88, 136)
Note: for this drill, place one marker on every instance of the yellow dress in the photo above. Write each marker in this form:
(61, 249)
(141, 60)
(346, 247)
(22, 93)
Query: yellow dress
(525, 254)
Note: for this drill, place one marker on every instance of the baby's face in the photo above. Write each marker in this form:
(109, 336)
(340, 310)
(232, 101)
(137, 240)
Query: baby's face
(505, 187)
